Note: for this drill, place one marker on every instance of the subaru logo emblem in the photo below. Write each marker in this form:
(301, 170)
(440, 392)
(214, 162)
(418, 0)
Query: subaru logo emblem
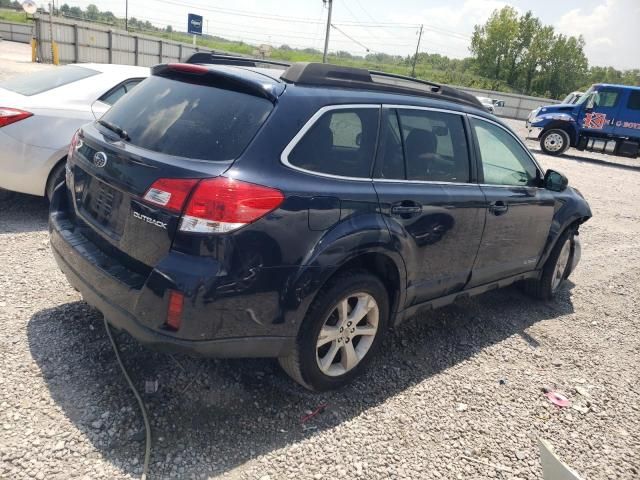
(100, 159)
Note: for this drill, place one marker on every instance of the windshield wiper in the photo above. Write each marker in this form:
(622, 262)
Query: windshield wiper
(116, 129)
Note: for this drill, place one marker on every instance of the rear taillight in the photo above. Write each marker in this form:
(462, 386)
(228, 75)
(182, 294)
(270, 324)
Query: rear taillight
(12, 115)
(170, 193)
(222, 204)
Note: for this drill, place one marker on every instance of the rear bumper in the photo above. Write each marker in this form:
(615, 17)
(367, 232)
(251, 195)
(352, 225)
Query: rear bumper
(135, 308)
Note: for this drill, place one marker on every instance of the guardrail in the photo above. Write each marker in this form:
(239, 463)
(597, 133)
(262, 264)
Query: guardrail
(16, 32)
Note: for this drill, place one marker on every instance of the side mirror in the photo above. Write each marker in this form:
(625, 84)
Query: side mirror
(555, 181)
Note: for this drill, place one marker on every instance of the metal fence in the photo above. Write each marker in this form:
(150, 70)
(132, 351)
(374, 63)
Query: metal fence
(90, 42)
(80, 42)
(16, 32)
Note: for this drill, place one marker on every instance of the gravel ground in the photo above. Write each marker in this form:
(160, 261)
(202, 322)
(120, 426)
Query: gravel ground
(455, 394)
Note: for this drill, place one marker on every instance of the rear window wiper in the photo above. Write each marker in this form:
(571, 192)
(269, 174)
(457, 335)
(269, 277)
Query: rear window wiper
(116, 129)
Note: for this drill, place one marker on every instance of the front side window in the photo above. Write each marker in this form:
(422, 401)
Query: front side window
(603, 99)
(504, 160)
(423, 145)
(341, 142)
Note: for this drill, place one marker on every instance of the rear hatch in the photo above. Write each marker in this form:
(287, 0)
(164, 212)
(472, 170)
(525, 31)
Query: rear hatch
(131, 173)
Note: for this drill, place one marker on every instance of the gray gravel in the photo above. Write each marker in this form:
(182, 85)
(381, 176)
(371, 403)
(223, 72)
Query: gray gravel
(455, 395)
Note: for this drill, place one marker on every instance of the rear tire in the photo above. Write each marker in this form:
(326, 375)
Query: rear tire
(555, 270)
(555, 141)
(56, 177)
(341, 332)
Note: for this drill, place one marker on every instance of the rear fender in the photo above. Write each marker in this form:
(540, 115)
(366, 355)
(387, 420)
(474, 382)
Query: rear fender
(349, 239)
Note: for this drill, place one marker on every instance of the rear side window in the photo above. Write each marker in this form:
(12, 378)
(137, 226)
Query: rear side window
(423, 145)
(189, 120)
(634, 101)
(47, 80)
(341, 142)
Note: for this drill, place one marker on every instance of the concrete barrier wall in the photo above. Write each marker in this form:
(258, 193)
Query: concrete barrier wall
(515, 105)
(16, 32)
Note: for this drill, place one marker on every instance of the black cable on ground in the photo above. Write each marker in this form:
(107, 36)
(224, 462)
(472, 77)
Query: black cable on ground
(143, 409)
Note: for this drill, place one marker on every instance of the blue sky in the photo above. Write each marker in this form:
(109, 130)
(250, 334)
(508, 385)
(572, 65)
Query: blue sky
(611, 27)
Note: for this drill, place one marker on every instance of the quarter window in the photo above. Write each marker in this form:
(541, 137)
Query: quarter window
(423, 145)
(114, 95)
(341, 142)
(504, 160)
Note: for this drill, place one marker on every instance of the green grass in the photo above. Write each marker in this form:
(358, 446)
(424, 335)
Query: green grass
(13, 16)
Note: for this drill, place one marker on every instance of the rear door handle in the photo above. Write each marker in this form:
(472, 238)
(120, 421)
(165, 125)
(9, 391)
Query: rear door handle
(498, 208)
(406, 209)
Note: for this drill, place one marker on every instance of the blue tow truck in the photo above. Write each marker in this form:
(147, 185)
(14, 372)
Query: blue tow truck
(606, 119)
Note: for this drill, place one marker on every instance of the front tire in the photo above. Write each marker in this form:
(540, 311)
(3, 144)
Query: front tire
(554, 141)
(555, 270)
(341, 332)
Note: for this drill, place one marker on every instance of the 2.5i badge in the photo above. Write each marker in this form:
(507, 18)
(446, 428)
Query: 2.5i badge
(150, 220)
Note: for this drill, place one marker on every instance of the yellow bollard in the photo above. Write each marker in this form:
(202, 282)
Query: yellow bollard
(34, 50)
(54, 50)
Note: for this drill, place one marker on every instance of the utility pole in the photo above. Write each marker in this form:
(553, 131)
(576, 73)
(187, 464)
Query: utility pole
(326, 35)
(415, 57)
(126, 15)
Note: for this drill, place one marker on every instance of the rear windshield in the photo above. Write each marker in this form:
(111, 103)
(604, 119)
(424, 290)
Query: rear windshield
(39, 82)
(189, 120)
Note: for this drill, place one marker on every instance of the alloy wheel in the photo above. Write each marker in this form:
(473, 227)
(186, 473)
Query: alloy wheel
(347, 334)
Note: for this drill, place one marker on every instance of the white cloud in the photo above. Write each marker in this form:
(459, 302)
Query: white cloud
(610, 31)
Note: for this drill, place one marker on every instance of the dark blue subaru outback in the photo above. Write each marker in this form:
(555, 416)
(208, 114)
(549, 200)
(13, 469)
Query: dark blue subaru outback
(227, 209)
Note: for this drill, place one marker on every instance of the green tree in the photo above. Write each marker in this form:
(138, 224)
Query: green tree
(92, 12)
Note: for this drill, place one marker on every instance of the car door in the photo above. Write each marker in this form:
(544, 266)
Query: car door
(628, 120)
(519, 210)
(428, 197)
(601, 110)
(104, 103)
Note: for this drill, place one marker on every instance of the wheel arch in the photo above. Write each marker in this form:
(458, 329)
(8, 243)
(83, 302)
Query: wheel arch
(388, 266)
(569, 127)
(61, 161)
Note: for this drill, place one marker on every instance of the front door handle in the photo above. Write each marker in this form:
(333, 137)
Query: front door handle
(406, 210)
(498, 208)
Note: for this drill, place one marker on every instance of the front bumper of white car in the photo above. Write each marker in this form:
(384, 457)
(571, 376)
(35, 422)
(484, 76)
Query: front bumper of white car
(24, 168)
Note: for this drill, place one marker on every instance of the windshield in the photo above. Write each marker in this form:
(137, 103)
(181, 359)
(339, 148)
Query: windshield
(33, 84)
(585, 97)
(188, 120)
(485, 100)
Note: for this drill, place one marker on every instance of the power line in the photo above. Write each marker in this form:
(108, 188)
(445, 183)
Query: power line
(351, 38)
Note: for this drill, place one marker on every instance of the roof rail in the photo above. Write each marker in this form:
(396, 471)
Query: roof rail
(220, 59)
(324, 74)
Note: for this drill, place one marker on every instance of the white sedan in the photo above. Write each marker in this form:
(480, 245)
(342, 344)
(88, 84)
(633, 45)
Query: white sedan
(40, 112)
